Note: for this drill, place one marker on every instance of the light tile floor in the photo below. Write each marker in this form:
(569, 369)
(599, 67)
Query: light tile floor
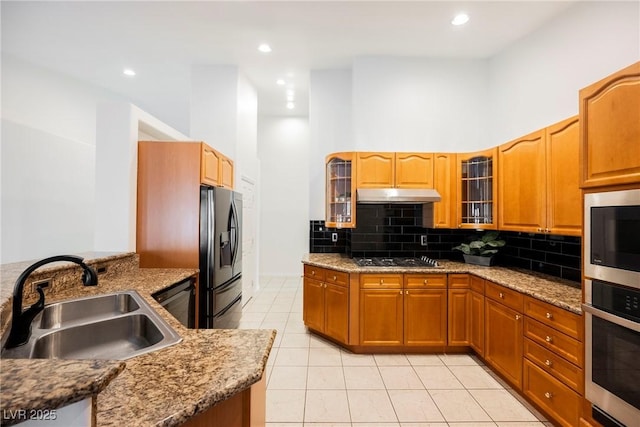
(314, 383)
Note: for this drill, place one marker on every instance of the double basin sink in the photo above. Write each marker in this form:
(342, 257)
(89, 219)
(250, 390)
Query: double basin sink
(115, 326)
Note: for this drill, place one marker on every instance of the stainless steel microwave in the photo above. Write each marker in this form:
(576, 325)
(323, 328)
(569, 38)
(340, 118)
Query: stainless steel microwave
(612, 237)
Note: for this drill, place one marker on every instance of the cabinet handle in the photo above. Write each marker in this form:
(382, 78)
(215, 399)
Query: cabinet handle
(325, 286)
(334, 277)
(548, 395)
(401, 292)
(539, 229)
(501, 295)
(549, 316)
(381, 281)
(517, 317)
(425, 281)
(548, 362)
(548, 339)
(313, 272)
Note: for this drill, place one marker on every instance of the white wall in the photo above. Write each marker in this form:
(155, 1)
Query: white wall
(283, 148)
(419, 104)
(48, 156)
(535, 82)
(330, 128)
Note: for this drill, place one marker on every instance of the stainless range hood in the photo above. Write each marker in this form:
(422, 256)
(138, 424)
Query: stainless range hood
(397, 195)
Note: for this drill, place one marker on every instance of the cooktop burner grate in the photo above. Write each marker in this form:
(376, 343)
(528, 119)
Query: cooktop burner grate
(396, 262)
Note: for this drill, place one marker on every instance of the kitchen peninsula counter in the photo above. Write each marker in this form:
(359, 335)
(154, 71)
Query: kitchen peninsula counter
(162, 388)
(559, 292)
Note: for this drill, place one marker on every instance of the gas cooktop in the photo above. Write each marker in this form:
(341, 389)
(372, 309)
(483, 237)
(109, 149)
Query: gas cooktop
(396, 262)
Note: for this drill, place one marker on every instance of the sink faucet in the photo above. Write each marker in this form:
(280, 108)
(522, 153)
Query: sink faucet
(21, 320)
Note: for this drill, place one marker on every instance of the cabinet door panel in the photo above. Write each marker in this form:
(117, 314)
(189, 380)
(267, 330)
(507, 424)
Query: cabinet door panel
(564, 199)
(336, 315)
(444, 181)
(414, 170)
(521, 184)
(375, 170)
(476, 328)
(226, 172)
(425, 317)
(477, 189)
(210, 166)
(381, 317)
(610, 129)
(503, 340)
(459, 304)
(313, 304)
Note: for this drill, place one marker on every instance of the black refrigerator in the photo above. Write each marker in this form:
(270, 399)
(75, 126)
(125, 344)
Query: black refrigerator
(220, 290)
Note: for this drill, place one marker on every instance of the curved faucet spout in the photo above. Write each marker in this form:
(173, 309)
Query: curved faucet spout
(21, 321)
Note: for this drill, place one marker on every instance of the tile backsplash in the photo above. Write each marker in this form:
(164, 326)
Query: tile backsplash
(395, 230)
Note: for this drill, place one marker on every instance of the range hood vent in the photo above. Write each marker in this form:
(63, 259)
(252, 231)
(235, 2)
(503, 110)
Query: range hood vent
(397, 195)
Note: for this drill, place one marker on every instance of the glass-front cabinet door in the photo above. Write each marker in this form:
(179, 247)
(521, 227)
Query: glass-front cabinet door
(477, 190)
(341, 193)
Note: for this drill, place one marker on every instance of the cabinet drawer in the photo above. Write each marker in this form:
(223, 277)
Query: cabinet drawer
(555, 398)
(381, 281)
(425, 281)
(314, 272)
(506, 296)
(476, 284)
(336, 277)
(559, 343)
(458, 281)
(555, 365)
(562, 320)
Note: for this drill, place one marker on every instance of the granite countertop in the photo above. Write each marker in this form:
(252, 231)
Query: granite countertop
(161, 388)
(559, 292)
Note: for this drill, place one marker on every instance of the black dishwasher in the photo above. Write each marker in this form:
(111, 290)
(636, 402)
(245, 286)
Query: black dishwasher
(180, 301)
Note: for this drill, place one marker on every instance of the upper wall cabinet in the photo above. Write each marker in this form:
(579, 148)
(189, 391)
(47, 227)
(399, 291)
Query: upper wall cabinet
(400, 170)
(538, 181)
(444, 181)
(340, 201)
(477, 190)
(610, 130)
(215, 168)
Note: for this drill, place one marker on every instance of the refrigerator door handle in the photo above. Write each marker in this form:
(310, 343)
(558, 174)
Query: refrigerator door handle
(211, 223)
(233, 225)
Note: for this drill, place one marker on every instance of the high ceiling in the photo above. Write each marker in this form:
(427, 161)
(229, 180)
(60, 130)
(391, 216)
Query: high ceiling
(161, 40)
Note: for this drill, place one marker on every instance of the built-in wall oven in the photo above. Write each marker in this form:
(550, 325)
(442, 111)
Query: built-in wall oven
(612, 347)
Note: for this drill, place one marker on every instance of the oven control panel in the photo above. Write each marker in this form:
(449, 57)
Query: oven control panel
(615, 299)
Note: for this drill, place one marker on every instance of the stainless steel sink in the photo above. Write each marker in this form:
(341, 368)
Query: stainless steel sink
(116, 326)
(88, 309)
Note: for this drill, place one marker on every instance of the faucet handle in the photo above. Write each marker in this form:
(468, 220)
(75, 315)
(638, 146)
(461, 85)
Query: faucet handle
(89, 275)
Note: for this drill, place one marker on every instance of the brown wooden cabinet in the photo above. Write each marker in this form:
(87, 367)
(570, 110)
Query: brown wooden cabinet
(425, 310)
(216, 169)
(400, 170)
(564, 199)
(503, 337)
(477, 192)
(522, 188)
(444, 182)
(375, 170)
(326, 302)
(168, 200)
(381, 317)
(476, 318)
(414, 170)
(610, 130)
(340, 196)
(538, 181)
(459, 303)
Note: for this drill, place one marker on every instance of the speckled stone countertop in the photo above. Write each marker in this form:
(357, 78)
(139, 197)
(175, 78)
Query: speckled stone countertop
(559, 292)
(162, 388)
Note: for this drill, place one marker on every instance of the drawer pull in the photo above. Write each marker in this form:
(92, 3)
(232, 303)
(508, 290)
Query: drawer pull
(539, 229)
(406, 292)
(548, 339)
(334, 277)
(517, 317)
(313, 272)
(381, 281)
(425, 281)
(401, 292)
(501, 295)
(548, 362)
(549, 316)
(548, 395)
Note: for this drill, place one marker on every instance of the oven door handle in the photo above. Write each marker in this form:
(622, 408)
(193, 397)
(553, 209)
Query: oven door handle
(620, 321)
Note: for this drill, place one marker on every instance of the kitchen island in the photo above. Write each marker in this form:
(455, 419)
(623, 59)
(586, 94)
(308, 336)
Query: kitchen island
(168, 387)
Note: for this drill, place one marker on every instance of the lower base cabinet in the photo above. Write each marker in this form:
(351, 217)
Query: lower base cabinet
(555, 398)
(326, 308)
(381, 317)
(425, 317)
(476, 328)
(503, 341)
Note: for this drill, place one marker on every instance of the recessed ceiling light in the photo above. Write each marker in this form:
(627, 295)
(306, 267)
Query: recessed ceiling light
(264, 48)
(460, 19)
(290, 92)
(280, 82)
(290, 105)
(290, 97)
(128, 72)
